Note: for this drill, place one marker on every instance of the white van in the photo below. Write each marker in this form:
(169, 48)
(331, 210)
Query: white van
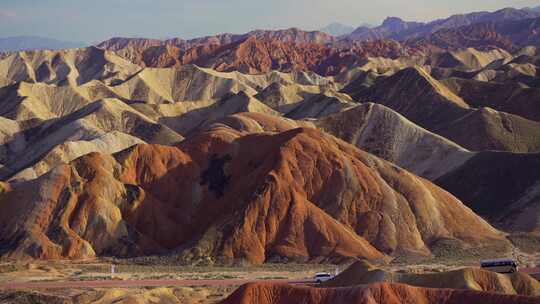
(322, 277)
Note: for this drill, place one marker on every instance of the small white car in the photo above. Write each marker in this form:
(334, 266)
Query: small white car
(322, 277)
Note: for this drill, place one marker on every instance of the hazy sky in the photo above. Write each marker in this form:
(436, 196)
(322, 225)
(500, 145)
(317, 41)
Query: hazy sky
(97, 20)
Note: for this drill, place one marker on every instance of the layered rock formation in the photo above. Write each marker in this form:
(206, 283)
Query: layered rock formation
(385, 133)
(296, 50)
(257, 52)
(261, 293)
(513, 204)
(307, 196)
(362, 273)
(425, 101)
(235, 177)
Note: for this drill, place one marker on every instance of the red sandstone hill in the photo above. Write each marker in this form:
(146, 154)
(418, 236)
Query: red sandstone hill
(293, 49)
(300, 195)
(259, 54)
(258, 51)
(294, 35)
(506, 193)
(261, 293)
(470, 278)
(256, 55)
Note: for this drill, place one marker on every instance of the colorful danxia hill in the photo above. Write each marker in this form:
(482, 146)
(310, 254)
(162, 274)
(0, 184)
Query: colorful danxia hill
(402, 143)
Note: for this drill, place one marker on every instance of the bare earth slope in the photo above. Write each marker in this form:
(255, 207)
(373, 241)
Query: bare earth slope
(425, 101)
(233, 159)
(291, 204)
(76, 66)
(53, 120)
(258, 52)
(373, 294)
(385, 133)
(361, 273)
(373, 128)
(507, 192)
(511, 98)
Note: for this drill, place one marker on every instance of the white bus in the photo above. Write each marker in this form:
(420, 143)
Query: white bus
(500, 265)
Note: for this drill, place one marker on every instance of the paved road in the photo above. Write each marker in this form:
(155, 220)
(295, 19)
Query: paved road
(135, 283)
(161, 283)
(535, 270)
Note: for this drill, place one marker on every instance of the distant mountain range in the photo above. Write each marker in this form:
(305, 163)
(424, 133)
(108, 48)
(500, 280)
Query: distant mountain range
(536, 9)
(392, 28)
(509, 35)
(337, 29)
(292, 49)
(398, 29)
(20, 43)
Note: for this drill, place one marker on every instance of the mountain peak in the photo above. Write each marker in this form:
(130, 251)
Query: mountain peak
(398, 24)
(392, 21)
(337, 29)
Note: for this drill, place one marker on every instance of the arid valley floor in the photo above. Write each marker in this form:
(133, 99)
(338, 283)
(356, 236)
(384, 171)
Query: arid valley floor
(151, 282)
